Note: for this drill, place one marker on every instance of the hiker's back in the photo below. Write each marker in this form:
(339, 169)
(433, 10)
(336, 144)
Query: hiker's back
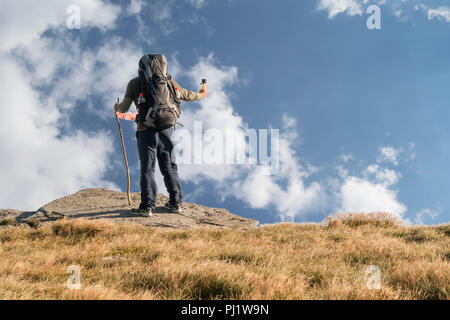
(133, 90)
(160, 108)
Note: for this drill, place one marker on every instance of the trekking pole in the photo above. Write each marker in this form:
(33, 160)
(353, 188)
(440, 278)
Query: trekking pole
(125, 157)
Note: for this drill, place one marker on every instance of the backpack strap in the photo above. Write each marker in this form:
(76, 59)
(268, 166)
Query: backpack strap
(142, 110)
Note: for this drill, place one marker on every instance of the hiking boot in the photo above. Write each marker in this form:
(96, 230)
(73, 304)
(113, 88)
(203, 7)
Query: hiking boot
(175, 208)
(142, 212)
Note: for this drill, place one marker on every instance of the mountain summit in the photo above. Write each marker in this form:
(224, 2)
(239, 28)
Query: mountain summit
(101, 203)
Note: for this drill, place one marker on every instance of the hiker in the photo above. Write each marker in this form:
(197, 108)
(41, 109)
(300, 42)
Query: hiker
(157, 98)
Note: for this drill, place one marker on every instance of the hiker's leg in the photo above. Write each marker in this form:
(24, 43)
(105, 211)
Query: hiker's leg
(147, 144)
(168, 166)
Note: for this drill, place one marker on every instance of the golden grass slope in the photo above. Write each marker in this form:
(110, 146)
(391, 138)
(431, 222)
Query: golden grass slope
(284, 261)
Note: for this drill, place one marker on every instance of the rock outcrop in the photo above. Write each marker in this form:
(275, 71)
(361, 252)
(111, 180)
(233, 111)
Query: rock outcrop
(101, 203)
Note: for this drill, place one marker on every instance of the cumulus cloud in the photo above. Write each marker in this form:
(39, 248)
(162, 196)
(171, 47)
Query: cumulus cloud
(95, 72)
(19, 25)
(216, 112)
(384, 176)
(370, 192)
(36, 164)
(335, 7)
(42, 77)
(60, 63)
(285, 191)
(359, 195)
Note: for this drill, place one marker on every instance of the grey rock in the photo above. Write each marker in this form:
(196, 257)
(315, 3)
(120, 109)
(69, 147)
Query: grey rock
(99, 203)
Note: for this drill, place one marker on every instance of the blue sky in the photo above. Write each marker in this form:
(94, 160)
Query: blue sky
(363, 114)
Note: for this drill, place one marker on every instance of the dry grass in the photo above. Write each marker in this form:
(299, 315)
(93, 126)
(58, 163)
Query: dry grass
(285, 261)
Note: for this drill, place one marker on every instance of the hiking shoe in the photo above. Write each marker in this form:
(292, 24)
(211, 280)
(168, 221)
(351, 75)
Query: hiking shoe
(142, 212)
(175, 208)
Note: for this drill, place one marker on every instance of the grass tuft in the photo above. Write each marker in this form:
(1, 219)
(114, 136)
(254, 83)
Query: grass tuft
(80, 228)
(444, 229)
(354, 220)
(7, 221)
(237, 258)
(177, 235)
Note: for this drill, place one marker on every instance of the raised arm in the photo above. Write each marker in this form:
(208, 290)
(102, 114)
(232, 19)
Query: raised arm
(188, 95)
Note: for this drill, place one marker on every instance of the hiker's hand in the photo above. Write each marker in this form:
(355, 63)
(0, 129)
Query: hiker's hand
(203, 93)
(116, 105)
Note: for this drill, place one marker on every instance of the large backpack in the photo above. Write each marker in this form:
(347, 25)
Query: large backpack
(161, 108)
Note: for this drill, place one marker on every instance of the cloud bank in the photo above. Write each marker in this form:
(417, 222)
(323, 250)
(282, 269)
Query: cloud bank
(42, 79)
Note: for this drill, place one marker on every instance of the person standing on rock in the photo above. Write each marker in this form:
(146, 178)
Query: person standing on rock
(157, 97)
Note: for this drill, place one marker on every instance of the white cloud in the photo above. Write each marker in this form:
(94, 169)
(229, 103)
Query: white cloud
(286, 191)
(335, 7)
(75, 75)
(424, 215)
(342, 172)
(135, 7)
(388, 177)
(440, 13)
(162, 13)
(36, 164)
(23, 21)
(383, 176)
(389, 154)
(360, 195)
(40, 161)
(401, 9)
(216, 112)
(103, 72)
(42, 156)
(372, 190)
